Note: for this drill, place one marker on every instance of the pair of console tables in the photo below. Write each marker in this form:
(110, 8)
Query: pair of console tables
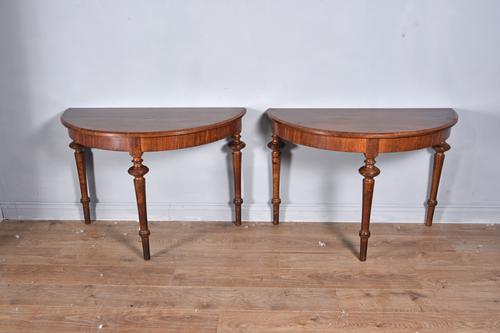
(367, 131)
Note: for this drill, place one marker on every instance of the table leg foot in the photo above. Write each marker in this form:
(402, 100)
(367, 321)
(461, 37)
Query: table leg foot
(82, 178)
(436, 176)
(369, 171)
(236, 146)
(276, 145)
(138, 170)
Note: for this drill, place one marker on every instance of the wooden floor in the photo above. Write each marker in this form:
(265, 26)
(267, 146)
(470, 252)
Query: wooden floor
(216, 277)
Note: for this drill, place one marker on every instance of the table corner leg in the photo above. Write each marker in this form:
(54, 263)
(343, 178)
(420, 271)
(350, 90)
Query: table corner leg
(82, 178)
(236, 146)
(276, 145)
(138, 170)
(439, 149)
(369, 171)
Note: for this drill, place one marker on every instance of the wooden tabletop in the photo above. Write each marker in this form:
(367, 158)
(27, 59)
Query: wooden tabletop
(140, 130)
(149, 121)
(366, 123)
(367, 131)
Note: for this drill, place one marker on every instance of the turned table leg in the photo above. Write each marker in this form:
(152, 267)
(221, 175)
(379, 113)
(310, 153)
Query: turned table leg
(436, 176)
(275, 145)
(138, 170)
(236, 146)
(82, 178)
(369, 171)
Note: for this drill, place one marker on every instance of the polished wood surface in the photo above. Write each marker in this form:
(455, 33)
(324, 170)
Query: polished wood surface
(369, 171)
(211, 277)
(138, 170)
(436, 176)
(236, 146)
(360, 130)
(149, 121)
(367, 131)
(275, 145)
(366, 123)
(139, 130)
(82, 179)
(150, 129)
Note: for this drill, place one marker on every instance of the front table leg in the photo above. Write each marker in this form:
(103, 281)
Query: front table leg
(138, 170)
(436, 175)
(236, 146)
(82, 178)
(369, 171)
(275, 145)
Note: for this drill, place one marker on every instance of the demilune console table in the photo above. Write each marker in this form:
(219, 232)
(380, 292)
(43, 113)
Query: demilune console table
(367, 131)
(140, 130)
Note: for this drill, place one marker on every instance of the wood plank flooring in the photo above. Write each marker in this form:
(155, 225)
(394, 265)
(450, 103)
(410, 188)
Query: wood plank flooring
(216, 277)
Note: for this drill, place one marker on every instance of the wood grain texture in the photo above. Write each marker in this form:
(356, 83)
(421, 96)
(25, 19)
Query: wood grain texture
(436, 176)
(150, 129)
(138, 170)
(139, 130)
(366, 123)
(367, 131)
(369, 171)
(276, 145)
(82, 179)
(212, 277)
(357, 130)
(152, 122)
(236, 146)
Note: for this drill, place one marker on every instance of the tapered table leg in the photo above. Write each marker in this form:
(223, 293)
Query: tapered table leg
(236, 146)
(275, 145)
(82, 178)
(436, 176)
(369, 171)
(138, 170)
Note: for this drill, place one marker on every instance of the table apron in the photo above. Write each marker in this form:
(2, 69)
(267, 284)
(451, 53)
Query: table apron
(126, 142)
(413, 142)
(360, 145)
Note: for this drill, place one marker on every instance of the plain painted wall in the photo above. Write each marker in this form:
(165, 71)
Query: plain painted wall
(256, 54)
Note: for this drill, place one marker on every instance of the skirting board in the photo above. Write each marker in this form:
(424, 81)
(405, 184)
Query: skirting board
(250, 212)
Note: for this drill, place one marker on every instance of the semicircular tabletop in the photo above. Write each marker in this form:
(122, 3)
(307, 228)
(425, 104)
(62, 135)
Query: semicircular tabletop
(140, 130)
(145, 122)
(366, 123)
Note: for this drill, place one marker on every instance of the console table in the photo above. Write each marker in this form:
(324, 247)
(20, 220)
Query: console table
(367, 131)
(139, 130)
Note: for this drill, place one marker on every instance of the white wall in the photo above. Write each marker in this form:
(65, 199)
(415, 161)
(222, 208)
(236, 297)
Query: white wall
(257, 54)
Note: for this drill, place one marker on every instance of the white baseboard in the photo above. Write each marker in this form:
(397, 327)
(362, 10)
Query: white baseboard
(250, 212)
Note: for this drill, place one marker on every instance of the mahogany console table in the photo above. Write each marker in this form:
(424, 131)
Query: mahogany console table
(367, 131)
(139, 130)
